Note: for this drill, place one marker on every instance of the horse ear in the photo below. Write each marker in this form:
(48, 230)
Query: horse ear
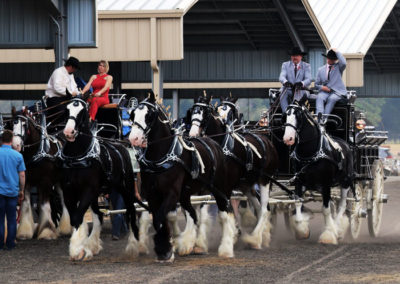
(151, 97)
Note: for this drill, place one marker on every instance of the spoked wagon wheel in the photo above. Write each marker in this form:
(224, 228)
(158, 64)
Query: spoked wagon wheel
(376, 208)
(355, 210)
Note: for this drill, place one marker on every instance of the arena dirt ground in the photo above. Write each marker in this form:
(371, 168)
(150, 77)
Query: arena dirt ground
(366, 260)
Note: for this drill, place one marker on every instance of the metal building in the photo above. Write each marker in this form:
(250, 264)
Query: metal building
(226, 45)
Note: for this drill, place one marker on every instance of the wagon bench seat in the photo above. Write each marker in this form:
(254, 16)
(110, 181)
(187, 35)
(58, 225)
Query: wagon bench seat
(110, 106)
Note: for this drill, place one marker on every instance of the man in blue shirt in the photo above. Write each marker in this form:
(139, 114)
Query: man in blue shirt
(12, 184)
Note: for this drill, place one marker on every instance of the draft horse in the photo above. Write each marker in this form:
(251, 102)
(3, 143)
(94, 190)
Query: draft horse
(250, 157)
(91, 166)
(322, 162)
(173, 169)
(40, 151)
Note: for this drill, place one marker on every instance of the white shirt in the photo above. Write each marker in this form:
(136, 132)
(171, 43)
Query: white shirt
(59, 81)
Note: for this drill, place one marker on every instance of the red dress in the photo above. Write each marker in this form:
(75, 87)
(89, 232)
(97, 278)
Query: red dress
(96, 102)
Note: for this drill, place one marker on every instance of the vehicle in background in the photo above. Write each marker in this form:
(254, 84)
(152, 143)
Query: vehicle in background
(391, 166)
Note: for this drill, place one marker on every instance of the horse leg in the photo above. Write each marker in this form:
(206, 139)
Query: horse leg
(201, 246)
(78, 249)
(262, 231)
(173, 222)
(329, 235)
(144, 226)
(162, 243)
(229, 229)
(187, 238)
(94, 243)
(248, 219)
(301, 219)
(342, 221)
(26, 227)
(64, 227)
(46, 229)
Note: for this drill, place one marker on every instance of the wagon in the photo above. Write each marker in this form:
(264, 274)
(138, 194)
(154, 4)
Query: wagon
(364, 140)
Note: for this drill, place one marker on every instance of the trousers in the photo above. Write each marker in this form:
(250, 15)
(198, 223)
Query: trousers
(326, 102)
(8, 208)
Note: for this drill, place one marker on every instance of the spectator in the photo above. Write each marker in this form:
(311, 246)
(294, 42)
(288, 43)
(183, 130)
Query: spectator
(12, 184)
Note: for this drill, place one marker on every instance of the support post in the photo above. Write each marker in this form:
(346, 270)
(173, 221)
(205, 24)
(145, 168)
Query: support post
(157, 76)
(59, 18)
(175, 104)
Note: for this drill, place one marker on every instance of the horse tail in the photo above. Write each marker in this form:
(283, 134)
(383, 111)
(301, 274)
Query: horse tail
(56, 206)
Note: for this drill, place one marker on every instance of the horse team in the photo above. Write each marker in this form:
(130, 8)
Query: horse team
(216, 155)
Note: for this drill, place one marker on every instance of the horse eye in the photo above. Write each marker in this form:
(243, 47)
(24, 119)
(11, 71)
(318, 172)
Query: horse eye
(140, 106)
(224, 108)
(76, 103)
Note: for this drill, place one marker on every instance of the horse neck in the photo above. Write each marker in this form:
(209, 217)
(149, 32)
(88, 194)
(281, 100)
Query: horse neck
(81, 144)
(215, 127)
(32, 139)
(311, 136)
(159, 132)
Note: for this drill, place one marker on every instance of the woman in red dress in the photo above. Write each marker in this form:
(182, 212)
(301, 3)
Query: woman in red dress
(101, 86)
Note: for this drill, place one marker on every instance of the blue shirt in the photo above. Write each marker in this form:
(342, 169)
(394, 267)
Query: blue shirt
(11, 163)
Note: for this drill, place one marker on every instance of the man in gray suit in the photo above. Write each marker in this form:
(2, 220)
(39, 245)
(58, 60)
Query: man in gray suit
(295, 74)
(329, 81)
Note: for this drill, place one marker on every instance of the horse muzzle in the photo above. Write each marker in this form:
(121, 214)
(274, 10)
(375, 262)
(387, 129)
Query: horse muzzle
(137, 138)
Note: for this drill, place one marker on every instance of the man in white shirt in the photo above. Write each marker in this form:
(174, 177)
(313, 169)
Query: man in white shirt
(61, 80)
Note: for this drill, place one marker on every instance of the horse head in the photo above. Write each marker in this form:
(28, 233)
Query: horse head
(78, 117)
(199, 114)
(143, 118)
(293, 119)
(228, 110)
(20, 127)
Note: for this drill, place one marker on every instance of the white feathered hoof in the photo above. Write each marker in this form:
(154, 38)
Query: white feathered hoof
(302, 233)
(143, 248)
(25, 231)
(132, 248)
(328, 237)
(184, 248)
(65, 228)
(254, 241)
(226, 251)
(200, 250)
(248, 219)
(47, 234)
(94, 245)
(342, 226)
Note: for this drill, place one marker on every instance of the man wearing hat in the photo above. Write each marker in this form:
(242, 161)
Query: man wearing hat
(295, 74)
(61, 80)
(329, 81)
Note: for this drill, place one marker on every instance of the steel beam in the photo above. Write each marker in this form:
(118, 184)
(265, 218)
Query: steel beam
(289, 25)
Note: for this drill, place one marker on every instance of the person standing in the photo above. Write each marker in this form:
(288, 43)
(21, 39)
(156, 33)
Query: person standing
(329, 81)
(101, 84)
(12, 185)
(295, 74)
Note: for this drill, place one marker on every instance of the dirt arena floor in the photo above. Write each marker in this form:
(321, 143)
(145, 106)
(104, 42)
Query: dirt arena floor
(366, 260)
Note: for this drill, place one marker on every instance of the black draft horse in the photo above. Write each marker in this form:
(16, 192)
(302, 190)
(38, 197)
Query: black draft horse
(250, 157)
(39, 151)
(172, 170)
(322, 163)
(91, 166)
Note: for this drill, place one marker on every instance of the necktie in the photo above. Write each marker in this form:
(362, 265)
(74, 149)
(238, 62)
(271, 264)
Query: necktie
(329, 72)
(295, 70)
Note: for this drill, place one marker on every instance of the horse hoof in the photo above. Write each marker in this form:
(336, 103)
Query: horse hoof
(303, 235)
(199, 250)
(185, 251)
(47, 234)
(226, 254)
(166, 258)
(328, 238)
(79, 257)
(143, 249)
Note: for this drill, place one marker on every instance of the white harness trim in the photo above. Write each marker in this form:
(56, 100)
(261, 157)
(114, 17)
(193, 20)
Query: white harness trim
(193, 149)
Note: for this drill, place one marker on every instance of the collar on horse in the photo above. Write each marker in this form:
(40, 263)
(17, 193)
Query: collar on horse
(43, 151)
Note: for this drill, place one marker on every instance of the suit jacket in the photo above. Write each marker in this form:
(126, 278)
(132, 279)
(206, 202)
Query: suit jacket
(335, 82)
(303, 74)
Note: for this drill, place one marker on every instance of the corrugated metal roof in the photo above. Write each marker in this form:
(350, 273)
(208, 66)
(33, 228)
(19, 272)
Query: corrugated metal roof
(349, 25)
(144, 5)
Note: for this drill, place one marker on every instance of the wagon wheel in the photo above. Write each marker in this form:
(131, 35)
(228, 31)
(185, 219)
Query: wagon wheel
(355, 209)
(376, 208)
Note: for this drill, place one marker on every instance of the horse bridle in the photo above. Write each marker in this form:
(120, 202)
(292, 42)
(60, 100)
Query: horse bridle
(234, 107)
(298, 129)
(202, 121)
(25, 126)
(76, 101)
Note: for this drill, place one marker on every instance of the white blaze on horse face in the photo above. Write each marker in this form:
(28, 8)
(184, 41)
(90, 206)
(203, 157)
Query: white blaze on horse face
(223, 112)
(195, 129)
(69, 130)
(290, 133)
(137, 136)
(18, 129)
